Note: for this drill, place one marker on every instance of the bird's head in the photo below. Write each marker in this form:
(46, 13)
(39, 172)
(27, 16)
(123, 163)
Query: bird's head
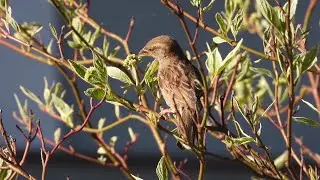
(161, 47)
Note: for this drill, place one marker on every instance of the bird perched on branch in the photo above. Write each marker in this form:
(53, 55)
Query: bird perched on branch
(179, 83)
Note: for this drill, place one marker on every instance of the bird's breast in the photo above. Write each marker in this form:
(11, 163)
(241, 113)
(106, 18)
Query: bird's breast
(177, 88)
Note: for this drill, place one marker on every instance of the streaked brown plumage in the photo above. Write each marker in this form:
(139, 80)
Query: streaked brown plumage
(178, 81)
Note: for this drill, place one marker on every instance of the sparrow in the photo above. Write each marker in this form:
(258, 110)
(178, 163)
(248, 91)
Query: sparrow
(179, 83)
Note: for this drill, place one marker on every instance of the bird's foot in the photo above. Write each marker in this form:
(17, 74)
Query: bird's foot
(165, 113)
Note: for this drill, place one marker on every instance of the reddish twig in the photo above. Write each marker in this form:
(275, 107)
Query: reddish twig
(61, 147)
(309, 11)
(129, 145)
(175, 8)
(306, 150)
(233, 79)
(59, 42)
(29, 139)
(79, 128)
(301, 167)
(9, 156)
(131, 24)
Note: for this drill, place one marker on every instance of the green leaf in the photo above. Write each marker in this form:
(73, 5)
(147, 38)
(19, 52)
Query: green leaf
(22, 109)
(5, 173)
(101, 150)
(86, 36)
(161, 170)
(101, 123)
(96, 93)
(293, 7)
(58, 90)
(272, 15)
(188, 55)
(113, 141)
(66, 35)
(311, 105)
(118, 74)
(309, 59)
(94, 36)
(53, 31)
(241, 140)
(74, 45)
(132, 135)
(214, 60)
(196, 3)
(31, 95)
(49, 47)
(218, 40)
(313, 172)
(57, 134)
(78, 68)
(261, 71)
(117, 111)
(94, 77)
(27, 31)
(281, 160)
(99, 64)
(105, 47)
(32, 28)
(115, 51)
(77, 24)
(152, 69)
(46, 96)
(281, 62)
(238, 127)
(230, 7)
(263, 87)
(222, 23)
(11, 21)
(306, 121)
(77, 42)
(209, 6)
(65, 111)
(116, 100)
(136, 177)
(229, 57)
(236, 23)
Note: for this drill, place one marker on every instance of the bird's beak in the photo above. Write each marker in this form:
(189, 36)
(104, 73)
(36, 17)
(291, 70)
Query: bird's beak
(143, 52)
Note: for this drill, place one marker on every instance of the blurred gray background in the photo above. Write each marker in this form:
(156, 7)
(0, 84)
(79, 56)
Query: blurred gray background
(151, 19)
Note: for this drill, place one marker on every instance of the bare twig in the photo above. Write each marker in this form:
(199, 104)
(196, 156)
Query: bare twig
(131, 24)
(10, 156)
(175, 8)
(306, 150)
(291, 87)
(309, 11)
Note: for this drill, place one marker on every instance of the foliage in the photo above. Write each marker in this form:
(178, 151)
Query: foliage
(236, 88)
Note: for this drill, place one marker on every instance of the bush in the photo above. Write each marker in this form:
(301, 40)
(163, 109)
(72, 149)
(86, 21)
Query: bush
(237, 93)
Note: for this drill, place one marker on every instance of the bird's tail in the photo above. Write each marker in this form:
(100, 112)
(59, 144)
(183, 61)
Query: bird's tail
(187, 127)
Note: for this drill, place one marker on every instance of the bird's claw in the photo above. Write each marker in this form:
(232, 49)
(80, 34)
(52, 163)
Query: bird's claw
(165, 113)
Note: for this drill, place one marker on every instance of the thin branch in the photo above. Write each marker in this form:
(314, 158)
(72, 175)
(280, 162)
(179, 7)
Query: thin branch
(112, 125)
(306, 150)
(61, 148)
(291, 87)
(131, 24)
(233, 78)
(10, 157)
(79, 128)
(175, 8)
(309, 11)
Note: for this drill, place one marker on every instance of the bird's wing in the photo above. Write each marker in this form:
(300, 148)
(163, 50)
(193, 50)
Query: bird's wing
(178, 81)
